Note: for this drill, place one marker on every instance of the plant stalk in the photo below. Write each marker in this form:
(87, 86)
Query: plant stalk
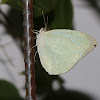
(29, 51)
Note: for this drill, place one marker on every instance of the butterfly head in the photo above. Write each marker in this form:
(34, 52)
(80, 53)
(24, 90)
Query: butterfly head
(42, 30)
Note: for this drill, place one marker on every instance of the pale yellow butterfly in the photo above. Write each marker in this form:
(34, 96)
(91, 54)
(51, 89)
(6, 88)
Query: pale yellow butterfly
(60, 49)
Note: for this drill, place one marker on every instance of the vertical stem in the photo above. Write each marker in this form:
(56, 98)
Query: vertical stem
(29, 51)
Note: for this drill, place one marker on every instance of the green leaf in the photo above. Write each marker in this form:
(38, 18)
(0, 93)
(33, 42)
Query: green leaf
(41, 5)
(60, 16)
(63, 14)
(62, 11)
(38, 7)
(8, 91)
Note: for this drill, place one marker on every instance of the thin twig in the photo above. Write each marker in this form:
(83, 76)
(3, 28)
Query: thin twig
(29, 51)
(6, 54)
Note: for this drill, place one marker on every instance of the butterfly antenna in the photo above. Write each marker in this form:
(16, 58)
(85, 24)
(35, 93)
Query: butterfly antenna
(44, 20)
(47, 20)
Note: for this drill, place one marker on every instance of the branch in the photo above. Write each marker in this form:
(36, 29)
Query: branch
(29, 51)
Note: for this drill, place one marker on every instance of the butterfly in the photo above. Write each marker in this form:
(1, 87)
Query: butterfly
(60, 49)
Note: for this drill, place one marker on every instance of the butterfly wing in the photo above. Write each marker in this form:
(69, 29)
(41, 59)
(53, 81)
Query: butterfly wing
(83, 41)
(60, 50)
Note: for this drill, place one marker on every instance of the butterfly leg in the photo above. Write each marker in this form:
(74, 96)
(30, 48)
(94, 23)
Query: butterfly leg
(35, 31)
(35, 55)
(34, 46)
(35, 38)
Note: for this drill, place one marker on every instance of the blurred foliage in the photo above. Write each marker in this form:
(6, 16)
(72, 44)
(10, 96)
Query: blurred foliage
(63, 94)
(17, 4)
(8, 91)
(60, 13)
(94, 4)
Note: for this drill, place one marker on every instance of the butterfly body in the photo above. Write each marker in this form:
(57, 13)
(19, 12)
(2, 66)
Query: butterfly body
(60, 49)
